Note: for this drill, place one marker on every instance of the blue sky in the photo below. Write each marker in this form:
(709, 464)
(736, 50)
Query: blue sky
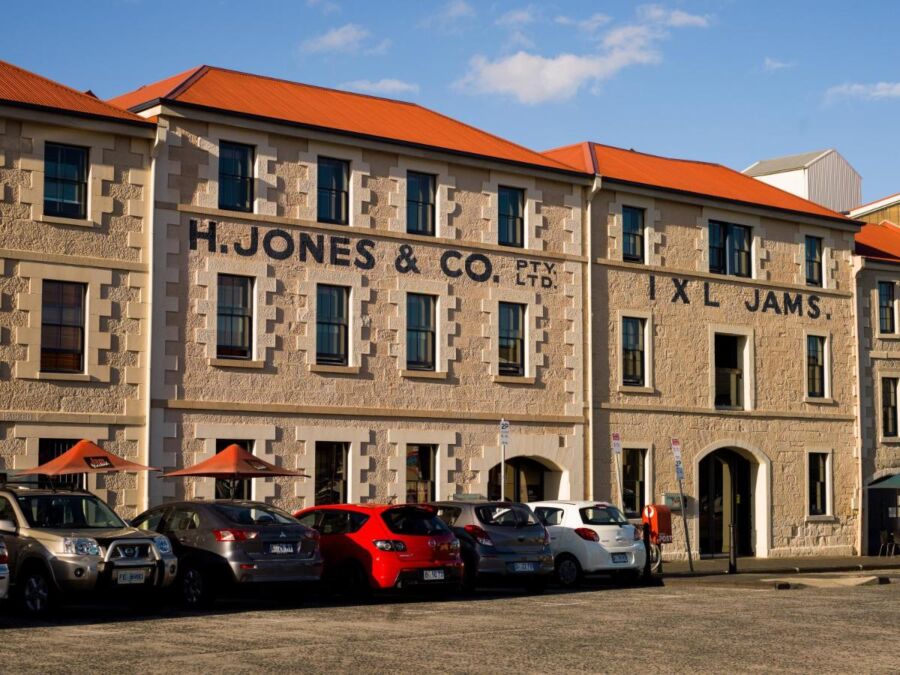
(729, 81)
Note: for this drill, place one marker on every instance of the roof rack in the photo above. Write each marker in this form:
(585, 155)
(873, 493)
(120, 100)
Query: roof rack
(33, 485)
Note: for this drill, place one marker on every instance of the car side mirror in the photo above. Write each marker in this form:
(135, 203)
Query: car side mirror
(8, 527)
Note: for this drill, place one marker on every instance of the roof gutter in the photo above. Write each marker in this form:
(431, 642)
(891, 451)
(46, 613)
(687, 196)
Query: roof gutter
(144, 124)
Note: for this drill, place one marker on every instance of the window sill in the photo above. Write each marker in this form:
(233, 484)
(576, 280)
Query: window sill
(59, 220)
(425, 374)
(64, 377)
(333, 370)
(730, 408)
(236, 363)
(887, 336)
(634, 389)
(889, 440)
(821, 519)
(513, 379)
(819, 400)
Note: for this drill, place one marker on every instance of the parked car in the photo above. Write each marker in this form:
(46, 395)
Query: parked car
(500, 542)
(591, 537)
(4, 571)
(375, 547)
(226, 542)
(64, 541)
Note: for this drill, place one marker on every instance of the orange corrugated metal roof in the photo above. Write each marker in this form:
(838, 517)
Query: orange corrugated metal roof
(265, 97)
(21, 87)
(682, 175)
(879, 242)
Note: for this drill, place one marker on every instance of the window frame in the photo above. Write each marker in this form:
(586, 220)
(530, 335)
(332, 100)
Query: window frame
(882, 307)
(247, 182)
(727, 232)
(809, 395)
(344, 482)
(642, 332)
(518, 219)
(45, 366)
(343, 192)
(249, 318)
(818, 264)
(428, 331)
(827, 482)
(343, 324)
(640, 235)
(747, 361)
(507, 368)
(244, 485)
(76, 481)
(430, 207)
(819, 381)
(647, 480)
(81, 183)
(893, 382)
(430, 482)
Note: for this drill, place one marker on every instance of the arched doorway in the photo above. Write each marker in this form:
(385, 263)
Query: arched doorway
(725, 499)
(527, 480)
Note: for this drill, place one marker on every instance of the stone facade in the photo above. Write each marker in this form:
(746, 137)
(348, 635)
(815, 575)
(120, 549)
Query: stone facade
(770, 435)
(107, 252)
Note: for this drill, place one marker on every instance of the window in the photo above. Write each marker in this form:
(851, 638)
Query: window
(420, 331)
(235, 176)
(729, 371)
(886, 323)
(152, 520)
(229, 488)
(334, 521)
(331, 472)
(511, 221)
(332, 321)
(889, 406)
(420, 203)
(633, 481)
(62, 327)
(7, 512)
(815, 366)
(235, 317)
(420, 473)
(548, 516)
(729, 249)
(512, 339)
(48, 450)
(333, 192)
(813, 261)
(818, 483)
(632, 234)
(633, 351)
(65, 181)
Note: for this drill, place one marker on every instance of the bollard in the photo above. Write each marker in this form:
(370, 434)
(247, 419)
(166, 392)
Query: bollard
(732, 551)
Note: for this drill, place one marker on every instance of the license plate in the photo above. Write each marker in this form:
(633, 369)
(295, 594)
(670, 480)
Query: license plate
(524, 567)
(281, 548)
(620, 557)
(130, 577)
(433, 575)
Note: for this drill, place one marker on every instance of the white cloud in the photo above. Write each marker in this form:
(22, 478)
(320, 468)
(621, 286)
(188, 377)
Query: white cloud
(349, 39)
(589, 25)
(771, 64)
(449, 14)
(516, 17)
(518, 39)
(674, 18)
(384, 86)
(869, 92)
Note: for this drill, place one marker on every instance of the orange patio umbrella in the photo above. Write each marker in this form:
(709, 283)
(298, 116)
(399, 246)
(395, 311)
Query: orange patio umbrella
(84, 457)
(234, 462)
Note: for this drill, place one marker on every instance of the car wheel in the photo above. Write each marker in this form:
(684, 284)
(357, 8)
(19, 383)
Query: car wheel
(568, 571)
(37, 594)
(655, 558)
(196, 587)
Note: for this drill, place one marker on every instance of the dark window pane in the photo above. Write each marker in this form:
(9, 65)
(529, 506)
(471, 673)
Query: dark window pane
(729, 249)
(331, 473)
(62, 327)
(886, 319)
(420, 331)
(420, 473)
(420, 211)
(332, 325)
(333, 192)
(632, 234)
(818, 484)
(512, 339)
(815, 362)
(65, 181)
(729, 371)
(229, 488)
(511, 214)
(889, 406)
(813, 261)
(633, 481)
(235, 317)
(235, 176)
(48, 450)
(633, 351)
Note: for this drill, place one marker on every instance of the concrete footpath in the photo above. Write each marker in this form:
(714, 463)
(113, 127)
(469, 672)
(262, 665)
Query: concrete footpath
(714, 566)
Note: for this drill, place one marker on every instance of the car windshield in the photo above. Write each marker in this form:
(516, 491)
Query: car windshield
(59, 511)
(602, 515)
(254, 515)
(413, 521)
(506, 515)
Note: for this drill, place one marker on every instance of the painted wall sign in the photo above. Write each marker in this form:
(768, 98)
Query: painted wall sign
(279, 244)
(683, 291)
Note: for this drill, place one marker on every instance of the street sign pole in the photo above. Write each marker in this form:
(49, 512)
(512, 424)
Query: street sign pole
(504, 441)
(617, 453)
(679, 474)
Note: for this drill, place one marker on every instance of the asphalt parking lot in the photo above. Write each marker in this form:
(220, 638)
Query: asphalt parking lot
(723, 624)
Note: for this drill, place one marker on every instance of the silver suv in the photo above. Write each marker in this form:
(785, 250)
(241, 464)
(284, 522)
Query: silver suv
(64, 541)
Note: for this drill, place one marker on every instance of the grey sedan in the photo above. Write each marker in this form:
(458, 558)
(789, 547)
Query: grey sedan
(225, 543)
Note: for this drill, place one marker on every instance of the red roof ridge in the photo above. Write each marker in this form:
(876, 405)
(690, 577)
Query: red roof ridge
(59, 85)
(671, 159)
(178, 81)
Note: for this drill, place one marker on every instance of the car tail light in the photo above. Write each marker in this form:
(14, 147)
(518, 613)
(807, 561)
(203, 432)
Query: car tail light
(231, 534)
(587, 534)
(479, 535)
(389, 545)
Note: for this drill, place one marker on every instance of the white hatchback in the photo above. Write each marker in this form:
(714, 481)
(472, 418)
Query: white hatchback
(590, 537)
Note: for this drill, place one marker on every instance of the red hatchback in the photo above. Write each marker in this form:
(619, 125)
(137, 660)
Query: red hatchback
(370, 547)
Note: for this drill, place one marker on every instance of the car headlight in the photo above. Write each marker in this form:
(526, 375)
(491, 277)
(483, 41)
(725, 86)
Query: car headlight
(81, 546)
(163, 545)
